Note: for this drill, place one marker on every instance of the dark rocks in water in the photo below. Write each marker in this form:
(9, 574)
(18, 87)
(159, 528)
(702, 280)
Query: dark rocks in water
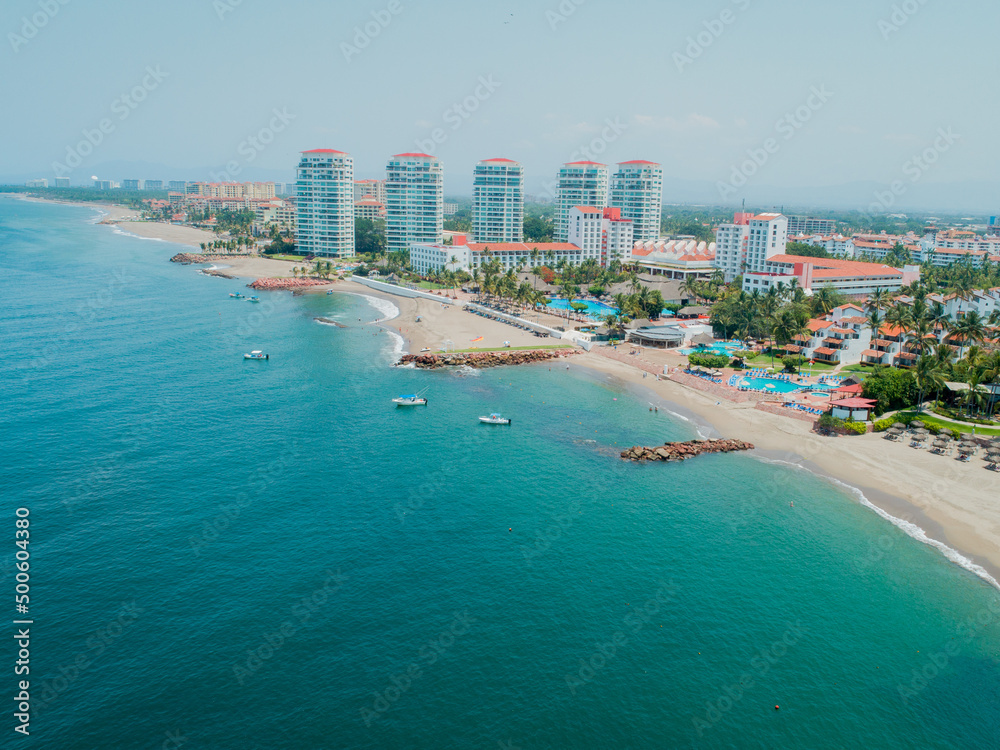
(482, 360)
(684, 451)
(330, 322)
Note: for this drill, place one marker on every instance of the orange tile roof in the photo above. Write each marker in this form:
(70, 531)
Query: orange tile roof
(818, 325)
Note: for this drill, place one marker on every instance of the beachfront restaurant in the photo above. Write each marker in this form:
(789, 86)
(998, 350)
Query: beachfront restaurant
(853, 409)
(657, 337)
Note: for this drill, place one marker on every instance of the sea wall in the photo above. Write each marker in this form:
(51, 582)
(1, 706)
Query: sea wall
(275, 284)
(188, 258)
(684, 451)
(483, 360)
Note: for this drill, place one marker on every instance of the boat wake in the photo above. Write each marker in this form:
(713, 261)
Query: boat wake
(907, 527)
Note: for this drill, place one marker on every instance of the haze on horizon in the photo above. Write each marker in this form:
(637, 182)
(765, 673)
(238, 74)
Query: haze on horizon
(831, 99)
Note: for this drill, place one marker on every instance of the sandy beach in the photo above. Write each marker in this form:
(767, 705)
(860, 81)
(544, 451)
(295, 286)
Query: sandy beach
(179, 235)
(955, 503)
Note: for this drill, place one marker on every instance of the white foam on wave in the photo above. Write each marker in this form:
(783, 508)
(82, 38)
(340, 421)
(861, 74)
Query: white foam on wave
(398, 344)
(907, 527)
(384, 306)
(119, 230)
(465, 371)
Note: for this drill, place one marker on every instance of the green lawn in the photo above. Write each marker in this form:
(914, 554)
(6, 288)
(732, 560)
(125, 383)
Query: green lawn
(931, 419)
(432, 285)
(293, 258)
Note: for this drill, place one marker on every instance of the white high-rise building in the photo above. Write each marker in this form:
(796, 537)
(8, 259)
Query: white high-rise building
(369, 190)
(637, 189)
(745, 245)
(324, 211)
(414, 201)
(600, 233)
(498, 201)
(581, 183)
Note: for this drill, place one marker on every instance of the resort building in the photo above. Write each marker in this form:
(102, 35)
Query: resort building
(276, 212)
(131, 184)
(837, 245)
(41, 182)
(747, 243)
(253, 190)
(62, 182)
(675, 259)
(325, 206)
(850, 277)
(370, 209)
(178, 185)
(601, 234)
(810, 225)
(498, 201)
(581, 183)
(369, 189)
(414, 201)
(426, 257)
(637, 189)
(152, 185)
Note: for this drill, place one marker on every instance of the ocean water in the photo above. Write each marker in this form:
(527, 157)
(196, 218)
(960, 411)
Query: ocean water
(231, 554)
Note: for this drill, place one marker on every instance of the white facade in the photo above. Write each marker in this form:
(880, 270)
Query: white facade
(325, 206)
(426, 258)
(731, 246)
(369, 189)
(581, 183)
(600, 233)
(498, 201)
(767, 236)
(41, 182)
(414, 201)
(637, 189)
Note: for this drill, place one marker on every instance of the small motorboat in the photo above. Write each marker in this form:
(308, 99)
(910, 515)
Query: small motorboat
(329, 291)
(253, 299)
(494, 419)
(236, 295)
(414, 399)
(256, 354)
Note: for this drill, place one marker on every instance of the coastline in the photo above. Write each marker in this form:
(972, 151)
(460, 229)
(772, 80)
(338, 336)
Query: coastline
(940, 502)
(944, 503)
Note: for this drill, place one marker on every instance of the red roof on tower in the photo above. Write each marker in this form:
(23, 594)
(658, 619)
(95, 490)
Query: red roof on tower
(412, 156)
(640, 161)
(584, 163)
(324, 151)
(507, 161)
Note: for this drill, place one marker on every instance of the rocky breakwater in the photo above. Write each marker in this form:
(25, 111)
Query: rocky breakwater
(188, 258)
(275, 284)
(684, 451)
(483, 360)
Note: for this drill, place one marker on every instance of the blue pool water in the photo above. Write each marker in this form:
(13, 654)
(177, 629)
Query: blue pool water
(594, 309)
(780, 386)
(720, 348)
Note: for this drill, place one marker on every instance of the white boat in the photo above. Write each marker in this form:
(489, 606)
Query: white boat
(415, 399)
(254, 299)
(236, 295)
(494, 419)
(256, 354)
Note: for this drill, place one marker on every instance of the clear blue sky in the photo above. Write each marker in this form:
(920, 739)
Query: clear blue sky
(560, 81)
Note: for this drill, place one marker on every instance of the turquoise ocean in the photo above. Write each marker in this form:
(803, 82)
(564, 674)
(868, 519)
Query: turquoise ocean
(232, 554)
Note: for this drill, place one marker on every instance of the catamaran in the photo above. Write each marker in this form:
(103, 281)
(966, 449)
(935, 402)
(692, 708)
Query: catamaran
(256, 354)
(494, 418)
(415, 399)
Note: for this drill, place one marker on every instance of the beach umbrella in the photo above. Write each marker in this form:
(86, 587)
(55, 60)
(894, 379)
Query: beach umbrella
(945, 437)
(917, 425)
(899, 426)
(920, 438)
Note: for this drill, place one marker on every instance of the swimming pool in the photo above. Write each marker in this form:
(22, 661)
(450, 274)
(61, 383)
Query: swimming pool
(777, 386)
(594, 309)
(720, 348)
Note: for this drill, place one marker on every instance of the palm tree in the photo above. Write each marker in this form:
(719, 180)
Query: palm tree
(879, 298)
(929, 376)
(785, 327)
(969, 329)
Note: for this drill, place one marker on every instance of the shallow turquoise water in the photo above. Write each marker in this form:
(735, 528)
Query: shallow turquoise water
(271, 555)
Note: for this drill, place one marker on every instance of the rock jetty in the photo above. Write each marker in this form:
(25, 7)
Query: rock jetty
(684, 451)
(274, 284)
(483, 360)
(188, 258)
(329, 322)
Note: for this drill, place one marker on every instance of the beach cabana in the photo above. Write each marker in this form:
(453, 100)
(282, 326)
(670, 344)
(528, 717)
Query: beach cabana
(702, 339)
(853, 409)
